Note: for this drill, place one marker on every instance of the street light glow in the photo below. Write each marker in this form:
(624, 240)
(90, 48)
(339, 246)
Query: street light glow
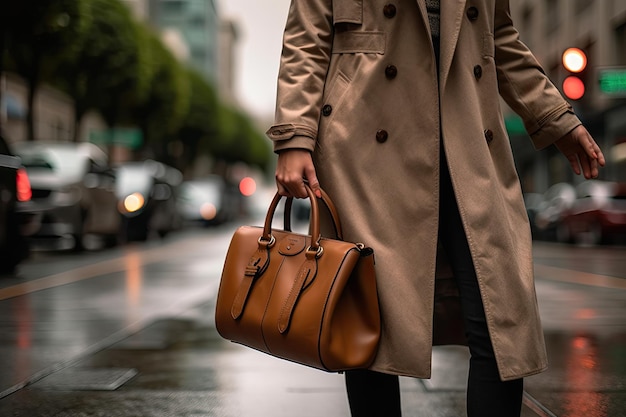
(574, 60)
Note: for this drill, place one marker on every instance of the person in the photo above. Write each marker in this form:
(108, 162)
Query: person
(393, 108)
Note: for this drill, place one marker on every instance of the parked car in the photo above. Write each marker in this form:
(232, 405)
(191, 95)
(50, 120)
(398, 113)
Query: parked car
(598, 215)
(549, 213)
(146, 193)
(209, 200)
(73, 190)
(15, 195)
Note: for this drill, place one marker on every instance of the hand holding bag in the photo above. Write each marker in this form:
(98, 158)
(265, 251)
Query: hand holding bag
(306, 299)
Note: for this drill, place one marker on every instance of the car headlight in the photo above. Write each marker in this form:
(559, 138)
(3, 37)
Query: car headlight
(133, 202)
(208, 211)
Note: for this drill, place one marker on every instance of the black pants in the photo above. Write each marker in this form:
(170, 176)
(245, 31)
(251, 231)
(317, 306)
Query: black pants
(373, 394)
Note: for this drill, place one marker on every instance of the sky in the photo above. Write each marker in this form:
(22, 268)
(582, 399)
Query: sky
(260, 24)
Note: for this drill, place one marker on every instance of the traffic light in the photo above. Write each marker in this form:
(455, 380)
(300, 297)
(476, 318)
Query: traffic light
(574, 61)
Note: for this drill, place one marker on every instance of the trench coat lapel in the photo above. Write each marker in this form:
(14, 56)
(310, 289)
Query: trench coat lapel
(451, 18)
(422, 6)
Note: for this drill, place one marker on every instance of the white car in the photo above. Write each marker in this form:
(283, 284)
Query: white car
(73, 189)
(209, 200)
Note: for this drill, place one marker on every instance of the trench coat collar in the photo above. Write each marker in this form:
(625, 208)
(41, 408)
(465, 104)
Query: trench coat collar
(451, 16)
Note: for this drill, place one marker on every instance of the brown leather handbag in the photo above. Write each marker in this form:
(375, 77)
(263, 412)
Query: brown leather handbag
(307, 299)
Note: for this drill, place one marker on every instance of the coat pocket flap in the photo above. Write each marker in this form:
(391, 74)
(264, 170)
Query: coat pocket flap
(355, 42)
(348, 11)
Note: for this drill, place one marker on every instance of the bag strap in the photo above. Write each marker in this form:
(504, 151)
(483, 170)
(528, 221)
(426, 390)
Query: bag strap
(256, 266)
(305, 276)
(334, 214)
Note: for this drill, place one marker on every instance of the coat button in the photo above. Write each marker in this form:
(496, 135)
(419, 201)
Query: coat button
(472, 13)
(478, 72)
(488, 136)
(389, 10)
(391, 72)
(327, 110)
(381, 136)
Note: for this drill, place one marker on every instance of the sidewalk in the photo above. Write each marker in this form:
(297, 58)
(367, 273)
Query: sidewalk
(179, 367)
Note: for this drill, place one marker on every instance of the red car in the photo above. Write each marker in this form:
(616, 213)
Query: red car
(598, 215)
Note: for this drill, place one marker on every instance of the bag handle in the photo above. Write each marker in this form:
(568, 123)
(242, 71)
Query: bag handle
(313, 221)
(334, 214)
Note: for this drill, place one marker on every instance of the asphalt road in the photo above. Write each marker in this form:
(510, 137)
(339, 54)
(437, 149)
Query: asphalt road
(129, 332)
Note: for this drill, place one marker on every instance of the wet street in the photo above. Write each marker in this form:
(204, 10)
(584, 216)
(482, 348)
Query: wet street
(129, 331)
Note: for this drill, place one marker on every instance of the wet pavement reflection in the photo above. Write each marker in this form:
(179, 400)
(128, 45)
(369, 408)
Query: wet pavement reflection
(130, 332)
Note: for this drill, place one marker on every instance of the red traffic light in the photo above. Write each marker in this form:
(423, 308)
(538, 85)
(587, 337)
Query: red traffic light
(573, 88)
(574, 60)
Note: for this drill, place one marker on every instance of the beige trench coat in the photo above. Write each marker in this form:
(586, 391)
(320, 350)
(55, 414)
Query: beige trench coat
(358, 87)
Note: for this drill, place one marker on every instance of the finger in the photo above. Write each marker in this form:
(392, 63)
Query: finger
(313, 182)
(287, 186)
(590, 146)
(585, 164)
(573, 161)
(600, 159)
(592, 158)
(593, 150)
(302, 192)
(281, 190)
(297, 189)
(594, 168)
(315, 186)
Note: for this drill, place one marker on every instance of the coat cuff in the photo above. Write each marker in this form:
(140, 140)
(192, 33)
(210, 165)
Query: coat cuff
(555, 129)
(290, 136)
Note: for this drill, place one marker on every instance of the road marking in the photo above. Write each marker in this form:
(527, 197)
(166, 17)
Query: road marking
(578, 277)
(97, 269)
(62, 278)
(538, 408)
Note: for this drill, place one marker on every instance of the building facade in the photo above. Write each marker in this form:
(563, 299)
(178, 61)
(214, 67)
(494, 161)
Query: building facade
(197, 21)
(53, 109)
(598, 28)
(226, 60)
(197, 35)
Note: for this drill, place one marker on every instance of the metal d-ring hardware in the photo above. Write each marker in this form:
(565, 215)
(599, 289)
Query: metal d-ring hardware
(270, 243)
(318, 253)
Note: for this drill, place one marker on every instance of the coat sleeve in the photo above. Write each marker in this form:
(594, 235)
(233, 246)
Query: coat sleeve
(525, 87)
(305, 58)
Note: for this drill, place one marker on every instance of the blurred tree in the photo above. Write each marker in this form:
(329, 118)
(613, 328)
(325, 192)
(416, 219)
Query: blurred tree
(260, 151)
(239, 140)
(110, 71)
(162, 112)
(222, 145)
(201, 123)
(39, 35)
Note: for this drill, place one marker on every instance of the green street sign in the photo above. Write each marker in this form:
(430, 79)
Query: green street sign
(612, 81)
(514, 125)
(127, 137)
